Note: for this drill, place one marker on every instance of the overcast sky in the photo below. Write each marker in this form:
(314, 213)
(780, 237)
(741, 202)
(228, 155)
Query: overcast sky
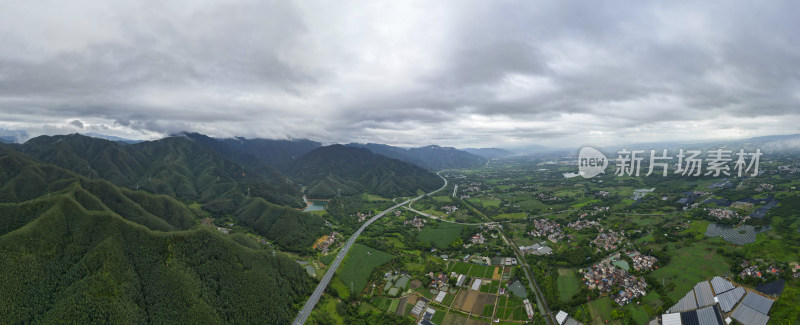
(456, 73)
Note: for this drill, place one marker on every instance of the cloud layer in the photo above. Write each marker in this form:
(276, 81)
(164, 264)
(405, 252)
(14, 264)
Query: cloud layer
(497, 73)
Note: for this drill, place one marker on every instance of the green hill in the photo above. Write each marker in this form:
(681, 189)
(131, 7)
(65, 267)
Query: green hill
(271, 152)
(74, 250)
(354, 170)
(179, 167)
(430, 157)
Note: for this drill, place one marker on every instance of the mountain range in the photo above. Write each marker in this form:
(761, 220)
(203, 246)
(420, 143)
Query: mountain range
(431, 157)
(80, 250)
(343, 170)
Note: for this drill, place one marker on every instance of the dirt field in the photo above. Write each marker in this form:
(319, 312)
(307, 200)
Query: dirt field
(453, 319)
(481, 300)
(401, 308)
(497, 274)
(466, 300)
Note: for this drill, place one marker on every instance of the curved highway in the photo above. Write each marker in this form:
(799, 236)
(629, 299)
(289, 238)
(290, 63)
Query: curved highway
(302, 316)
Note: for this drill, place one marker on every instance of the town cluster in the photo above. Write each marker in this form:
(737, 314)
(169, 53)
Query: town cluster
(546, 197)
(324, 243)
(362, 216)
(416, 223)
(723, 214)
(753, 271)
(583, 223)
(547, 228)
(604, 277)
(765, 187)
(642, 262)
(449, 209)
(608, 240)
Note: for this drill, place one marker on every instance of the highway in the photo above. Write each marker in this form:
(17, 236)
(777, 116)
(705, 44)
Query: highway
(302, 316)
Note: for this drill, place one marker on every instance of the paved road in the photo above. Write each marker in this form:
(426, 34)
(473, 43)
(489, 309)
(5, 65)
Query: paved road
(302, 316)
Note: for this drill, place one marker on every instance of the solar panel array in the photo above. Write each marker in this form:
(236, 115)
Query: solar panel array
(728, 299)
(721, 285)
(733, 235)
(773, 288)
(709, 316)
(689, 318)
(703, 292)
(686, 303)
(749, 316)
(757, 302)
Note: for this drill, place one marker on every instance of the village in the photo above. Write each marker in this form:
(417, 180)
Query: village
(605, 276)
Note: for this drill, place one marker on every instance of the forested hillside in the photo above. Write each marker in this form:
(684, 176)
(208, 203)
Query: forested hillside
(331, 169)
(431, 157)
(175, 166)
(187, 169)
(274, 153)
(74, 250)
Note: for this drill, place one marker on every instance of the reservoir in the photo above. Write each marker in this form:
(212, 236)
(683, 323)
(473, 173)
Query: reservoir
(315, 205)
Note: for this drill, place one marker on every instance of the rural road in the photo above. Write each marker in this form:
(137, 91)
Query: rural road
(302, 316)
(443, 220)
(540, 300)
(532, 284)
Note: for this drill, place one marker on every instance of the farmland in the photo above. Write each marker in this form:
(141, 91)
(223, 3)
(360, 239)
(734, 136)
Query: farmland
(585, 223)
(441, 234)
(567, 284)
(358, 265)
(690, 265)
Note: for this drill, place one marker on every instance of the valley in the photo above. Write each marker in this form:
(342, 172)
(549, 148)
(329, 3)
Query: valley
(380, 240)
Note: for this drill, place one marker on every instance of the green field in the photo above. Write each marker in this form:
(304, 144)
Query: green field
(488, 310)
(511, 216)
(327, 259)
(358, 265)
(690, 265)
(327, 305)
(567, 284)
(382, 303)
(461, 267)
(479, 271)
(442, 199)
(601, 311)
(438, 317)
(442, 235)
(638, 314)
(374, 198)
(486, 201)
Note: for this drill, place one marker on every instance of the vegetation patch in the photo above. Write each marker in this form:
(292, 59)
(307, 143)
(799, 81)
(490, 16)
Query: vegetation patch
(358, 265)
(442, 235)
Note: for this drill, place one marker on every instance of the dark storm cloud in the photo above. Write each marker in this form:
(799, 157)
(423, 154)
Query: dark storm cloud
(476, 73)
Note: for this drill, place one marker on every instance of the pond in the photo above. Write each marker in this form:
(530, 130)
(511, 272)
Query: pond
(315, 205)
